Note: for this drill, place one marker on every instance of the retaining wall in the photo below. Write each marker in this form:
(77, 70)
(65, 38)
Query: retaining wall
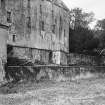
(31, 53)
(45, 57)
(81, 59)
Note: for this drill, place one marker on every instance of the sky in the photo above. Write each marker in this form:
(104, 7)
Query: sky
(95, 6)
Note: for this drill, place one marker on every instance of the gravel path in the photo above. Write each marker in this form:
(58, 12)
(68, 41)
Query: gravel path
(83, 92)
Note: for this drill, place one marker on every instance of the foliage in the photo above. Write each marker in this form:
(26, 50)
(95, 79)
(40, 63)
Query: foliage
(80, 18)
(82, 40)
(100, 32)
(100, 25)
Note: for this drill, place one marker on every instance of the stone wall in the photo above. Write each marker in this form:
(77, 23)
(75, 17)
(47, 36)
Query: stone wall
(84, 65)
(59, 57)
(102, 60)
(3, 51)
(55, 57)
(35, 55)
(42, 24)
(81, 59)
(41, 55)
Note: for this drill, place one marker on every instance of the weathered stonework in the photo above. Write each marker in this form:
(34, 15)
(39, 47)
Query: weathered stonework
(81, 59)
(41, 24)
(3, 50)
(59, 58)
(31, 54)
(39, 32)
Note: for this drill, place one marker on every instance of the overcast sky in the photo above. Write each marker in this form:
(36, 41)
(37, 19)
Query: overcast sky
(96, 6)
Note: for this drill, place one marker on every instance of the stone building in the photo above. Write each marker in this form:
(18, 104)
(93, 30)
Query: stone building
(3, 49)
(38, 24)
(37, 29)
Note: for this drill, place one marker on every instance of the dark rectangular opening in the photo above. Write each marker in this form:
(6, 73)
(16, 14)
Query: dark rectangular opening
(29, 22)
(8, 17)
(42, 25)
(14, 38)
(3, 4)
(50, 56)
(53, 28)
(64, 33)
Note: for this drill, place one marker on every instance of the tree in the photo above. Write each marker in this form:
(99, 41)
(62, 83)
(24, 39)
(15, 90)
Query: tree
(100, 32)
(82, 40)
(100, 25)
(80, 18)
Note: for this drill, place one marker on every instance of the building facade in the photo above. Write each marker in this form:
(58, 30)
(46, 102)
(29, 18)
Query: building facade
(3, 50)
(37, 29)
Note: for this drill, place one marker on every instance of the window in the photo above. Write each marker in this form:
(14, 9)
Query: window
(8, 17)
(28, 4)
(14, 38)
(60, 27)
(3, 4)
(42, 25)
(29, 22)
(50, 56)
(64, 33)
(52, 14)
(53, 28)
(41, 9)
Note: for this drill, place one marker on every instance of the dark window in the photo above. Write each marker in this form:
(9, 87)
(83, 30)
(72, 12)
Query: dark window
(29, 22)
(14, 38)
(28, 3)
(53, 28)
(3, 4)
(8, 17)
(9, 49)
(42, 25)
(41, 9)
(50, 57)
(60, 27)
(55, 21)
(64, 33)
(52, 14)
